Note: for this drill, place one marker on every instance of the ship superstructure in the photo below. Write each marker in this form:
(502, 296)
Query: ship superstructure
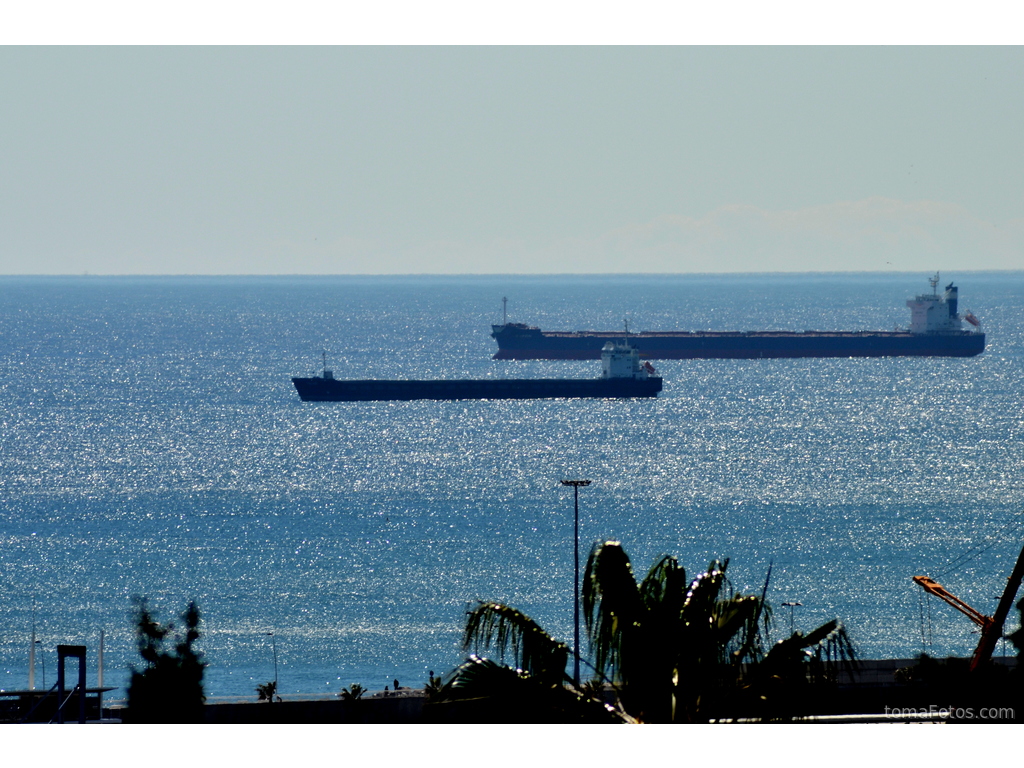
(931, 313)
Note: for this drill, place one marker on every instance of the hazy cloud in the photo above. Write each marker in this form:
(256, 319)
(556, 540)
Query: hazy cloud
(872, 234)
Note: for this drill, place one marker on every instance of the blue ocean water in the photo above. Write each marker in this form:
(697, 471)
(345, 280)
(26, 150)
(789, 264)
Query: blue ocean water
(151, 443)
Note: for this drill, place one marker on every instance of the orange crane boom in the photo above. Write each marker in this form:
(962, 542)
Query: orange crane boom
(933, 587)
(991, 626)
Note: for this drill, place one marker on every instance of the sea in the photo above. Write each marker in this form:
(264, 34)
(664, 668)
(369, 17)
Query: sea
(152, 445)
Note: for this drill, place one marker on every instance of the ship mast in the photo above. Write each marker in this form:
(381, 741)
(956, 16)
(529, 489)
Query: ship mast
(504, 310)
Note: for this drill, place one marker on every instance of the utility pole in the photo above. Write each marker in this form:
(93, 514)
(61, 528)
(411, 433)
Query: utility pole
(43, 659)
(576, 484)
(273, 641)
(32, 650)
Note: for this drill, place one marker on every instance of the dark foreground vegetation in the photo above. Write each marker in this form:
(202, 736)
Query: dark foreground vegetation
(670, 648)
(168, 688)
(666, 649)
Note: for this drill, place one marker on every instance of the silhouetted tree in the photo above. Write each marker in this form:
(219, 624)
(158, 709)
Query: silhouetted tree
(689, 650)
(353, 692)
(169, 687)
(266, 691)
(669, 648)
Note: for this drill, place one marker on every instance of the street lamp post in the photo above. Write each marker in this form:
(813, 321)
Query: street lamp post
(792, 605)
(576, 576)
(42, 658)
(273, 641)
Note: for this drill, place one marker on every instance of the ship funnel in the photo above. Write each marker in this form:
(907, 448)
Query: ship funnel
(951, 301)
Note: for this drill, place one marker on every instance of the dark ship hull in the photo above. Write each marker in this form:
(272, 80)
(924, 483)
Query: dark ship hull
(320, 389)
(519, 342)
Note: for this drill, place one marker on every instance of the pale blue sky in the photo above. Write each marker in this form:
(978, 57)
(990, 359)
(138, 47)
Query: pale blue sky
(337, 160)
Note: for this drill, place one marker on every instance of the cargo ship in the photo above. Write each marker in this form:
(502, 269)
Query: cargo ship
(622, 375)
(936, 330)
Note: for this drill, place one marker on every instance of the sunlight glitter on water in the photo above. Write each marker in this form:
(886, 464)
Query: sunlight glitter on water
(164, 453)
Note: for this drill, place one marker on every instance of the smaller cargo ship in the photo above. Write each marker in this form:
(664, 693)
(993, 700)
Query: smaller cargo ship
(622, 375)
(935, 330)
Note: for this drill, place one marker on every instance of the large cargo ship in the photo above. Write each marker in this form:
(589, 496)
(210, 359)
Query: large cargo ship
(936, 330)
(622, 375)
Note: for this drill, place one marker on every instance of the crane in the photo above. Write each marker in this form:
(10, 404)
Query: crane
(991, 626)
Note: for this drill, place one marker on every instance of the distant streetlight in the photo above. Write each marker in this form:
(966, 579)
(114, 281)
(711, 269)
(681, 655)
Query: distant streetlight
(792, 607)
(576, 484)
(273, 641)
(42, 658)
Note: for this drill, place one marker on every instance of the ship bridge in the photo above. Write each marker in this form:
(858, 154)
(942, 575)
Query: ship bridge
(931, 313)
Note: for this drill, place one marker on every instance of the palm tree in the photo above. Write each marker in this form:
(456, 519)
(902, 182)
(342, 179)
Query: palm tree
(266, 691)
(691, 650)
(663, 643)
(671, 649)
(353, 693)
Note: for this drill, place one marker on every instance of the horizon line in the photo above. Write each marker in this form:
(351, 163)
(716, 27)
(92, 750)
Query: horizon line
(488, 274)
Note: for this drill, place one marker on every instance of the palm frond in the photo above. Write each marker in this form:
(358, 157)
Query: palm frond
(705, 589)
(700, 608)
(831, 651)
(612, 603)
(511, 633)
(828, 647)
(662, 582)
(759, 628)
(483, 677)
(736, 625)
(502, 694)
